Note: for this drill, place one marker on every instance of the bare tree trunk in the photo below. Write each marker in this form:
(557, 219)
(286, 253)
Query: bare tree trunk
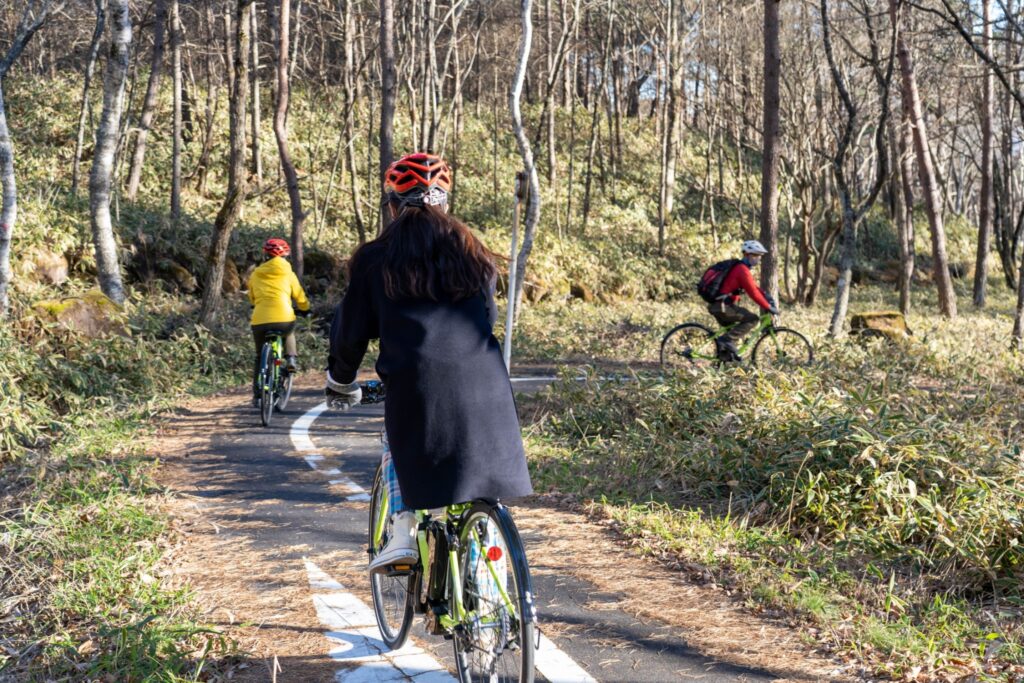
(257, 152)
(106, 142)
(929, 187)
(176, 35)
(203, 165)
(525, 151)
(281, 133)
(149, 102)
(985, 198)
(90, 67)
(9, 207)
(237, 181)
(595, 118)
(770, 155)
(387, 82)
(906, 215)
(349, 94)
(229, 43)
(670, 130)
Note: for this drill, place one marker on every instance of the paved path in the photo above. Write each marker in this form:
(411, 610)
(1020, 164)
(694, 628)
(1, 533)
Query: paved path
(306, 476)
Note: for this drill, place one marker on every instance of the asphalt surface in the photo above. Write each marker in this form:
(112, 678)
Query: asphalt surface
(258, 469)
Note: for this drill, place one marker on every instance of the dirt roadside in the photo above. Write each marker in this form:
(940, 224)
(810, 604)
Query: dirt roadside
(259, 595)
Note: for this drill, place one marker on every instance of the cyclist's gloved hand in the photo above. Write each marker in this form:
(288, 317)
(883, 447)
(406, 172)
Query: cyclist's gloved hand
(303, 314)
(774, 310)
(342, 396)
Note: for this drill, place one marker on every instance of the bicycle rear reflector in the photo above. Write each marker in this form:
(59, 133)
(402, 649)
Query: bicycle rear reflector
(494, 553)
(278, 362)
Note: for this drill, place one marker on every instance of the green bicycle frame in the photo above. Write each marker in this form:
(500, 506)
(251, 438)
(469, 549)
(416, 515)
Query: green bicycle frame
(277, 347)
(764, 323)
(454, 572)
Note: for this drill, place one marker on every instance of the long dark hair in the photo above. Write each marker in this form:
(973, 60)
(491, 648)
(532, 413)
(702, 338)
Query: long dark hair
(427, 254)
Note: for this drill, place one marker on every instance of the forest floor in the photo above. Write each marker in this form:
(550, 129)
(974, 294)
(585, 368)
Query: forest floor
(249, 515)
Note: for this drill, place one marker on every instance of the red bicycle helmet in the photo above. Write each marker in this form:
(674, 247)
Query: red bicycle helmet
(418, 179)
(276, 247)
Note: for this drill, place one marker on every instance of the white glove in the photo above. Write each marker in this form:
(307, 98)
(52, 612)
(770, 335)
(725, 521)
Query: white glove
(342, 396)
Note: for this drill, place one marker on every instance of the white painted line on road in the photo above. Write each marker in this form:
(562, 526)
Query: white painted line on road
(557, 666)
(356, 635)
(300, 428)
(354, 638)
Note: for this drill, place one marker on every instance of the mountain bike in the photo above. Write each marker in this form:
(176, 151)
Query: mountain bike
(472, 582)
(275, 382)
(695, 345)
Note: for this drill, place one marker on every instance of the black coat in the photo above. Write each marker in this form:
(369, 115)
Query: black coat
(450, 415)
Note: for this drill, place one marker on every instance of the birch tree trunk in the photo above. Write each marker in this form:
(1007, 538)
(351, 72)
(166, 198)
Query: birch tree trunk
(149, 102)
(281, 133)
(34, 16)
(106, 142)
(176, 32)
(237, 181)
(9, 206)
(929, 186)
(770, 154)
(987, 142)
(525, 151)
(90, 67)
(388, 79)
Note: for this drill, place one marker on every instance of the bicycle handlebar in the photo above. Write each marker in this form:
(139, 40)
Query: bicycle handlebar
(373, 391)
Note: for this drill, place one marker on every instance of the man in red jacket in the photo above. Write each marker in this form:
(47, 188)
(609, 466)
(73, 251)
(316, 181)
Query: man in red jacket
(727, 310)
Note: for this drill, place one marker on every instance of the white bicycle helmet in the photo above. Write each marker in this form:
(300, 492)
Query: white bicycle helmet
(754, 247)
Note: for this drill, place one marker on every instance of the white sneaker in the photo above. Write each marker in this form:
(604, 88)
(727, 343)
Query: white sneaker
(401, 548)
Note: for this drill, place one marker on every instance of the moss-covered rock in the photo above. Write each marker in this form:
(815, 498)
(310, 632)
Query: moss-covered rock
(888, 324)
(92, 314)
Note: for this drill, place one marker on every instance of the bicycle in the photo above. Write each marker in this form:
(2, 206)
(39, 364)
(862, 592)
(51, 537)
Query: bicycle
(695, 345)
(472, 581)
(275, 383)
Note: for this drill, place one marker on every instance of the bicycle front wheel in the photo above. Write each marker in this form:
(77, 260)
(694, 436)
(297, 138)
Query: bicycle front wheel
(266, 384)
(393, 595)
(495, 641)
(689, 345)
(781, 348)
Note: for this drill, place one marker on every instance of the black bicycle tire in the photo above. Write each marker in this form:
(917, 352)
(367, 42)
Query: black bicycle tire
(266, 391)
(664, 340)
(521, 570)
(784, 330)
(394, 640)
(285, 394)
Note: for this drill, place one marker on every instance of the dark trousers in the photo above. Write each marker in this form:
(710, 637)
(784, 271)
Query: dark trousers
(259, 335)
(727, 314)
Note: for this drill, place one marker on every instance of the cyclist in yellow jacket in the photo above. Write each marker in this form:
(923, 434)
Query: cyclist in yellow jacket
(273, 287)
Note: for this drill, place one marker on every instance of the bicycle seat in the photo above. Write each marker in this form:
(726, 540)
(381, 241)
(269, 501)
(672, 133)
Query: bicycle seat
(274, 333)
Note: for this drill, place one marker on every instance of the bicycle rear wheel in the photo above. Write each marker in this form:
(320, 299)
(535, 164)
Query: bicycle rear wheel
(266, 384)
(393, 595)
(495, 643)
(285, 393)
(781, 348)
(689, 345)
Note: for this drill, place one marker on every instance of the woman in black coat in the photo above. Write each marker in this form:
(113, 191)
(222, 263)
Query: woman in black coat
(425, 288)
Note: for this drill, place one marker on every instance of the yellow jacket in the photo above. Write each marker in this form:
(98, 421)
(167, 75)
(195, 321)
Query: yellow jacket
(272, 288)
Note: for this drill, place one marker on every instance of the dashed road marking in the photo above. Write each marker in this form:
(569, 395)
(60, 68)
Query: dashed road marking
(355, 635)
(354, 638)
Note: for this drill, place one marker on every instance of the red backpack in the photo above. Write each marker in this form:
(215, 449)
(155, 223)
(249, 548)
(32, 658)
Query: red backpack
(710, 284)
